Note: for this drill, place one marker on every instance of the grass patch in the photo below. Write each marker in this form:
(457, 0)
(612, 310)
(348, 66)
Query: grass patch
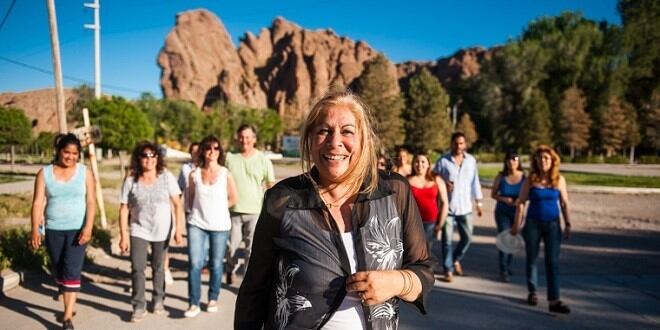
(13, 178)
(590, 179)
(17, 205)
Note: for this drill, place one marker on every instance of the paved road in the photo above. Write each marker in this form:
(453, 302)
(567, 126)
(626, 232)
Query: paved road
(610, 278)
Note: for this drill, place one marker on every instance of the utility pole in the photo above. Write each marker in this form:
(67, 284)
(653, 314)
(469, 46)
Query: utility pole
(57, 66)
(97, 46)
(97, 94)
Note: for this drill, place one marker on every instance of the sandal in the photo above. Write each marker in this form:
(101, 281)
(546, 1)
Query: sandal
(559, 307)
(532, 299)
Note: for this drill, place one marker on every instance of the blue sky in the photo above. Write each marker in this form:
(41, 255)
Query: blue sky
(133, 32)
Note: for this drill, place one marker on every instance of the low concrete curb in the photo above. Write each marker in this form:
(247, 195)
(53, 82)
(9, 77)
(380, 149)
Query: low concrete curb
(10, 279)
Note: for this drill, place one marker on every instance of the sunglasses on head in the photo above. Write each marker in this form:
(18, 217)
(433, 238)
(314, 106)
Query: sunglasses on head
(513, 158)
(216, 148)
(149, 155)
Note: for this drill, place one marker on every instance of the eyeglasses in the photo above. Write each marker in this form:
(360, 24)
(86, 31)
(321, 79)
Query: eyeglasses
(149, 155)
(213, 148)
(513, 158)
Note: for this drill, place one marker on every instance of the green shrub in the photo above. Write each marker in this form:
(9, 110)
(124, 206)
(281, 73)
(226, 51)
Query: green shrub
(650, 159)
(101, 238)
(13, 244)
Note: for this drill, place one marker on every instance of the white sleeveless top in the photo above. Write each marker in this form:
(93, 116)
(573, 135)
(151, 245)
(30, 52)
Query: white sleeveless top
(209, 210)
(350, 314)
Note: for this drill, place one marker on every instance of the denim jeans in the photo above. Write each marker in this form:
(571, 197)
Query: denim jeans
(197, 249)
(449, 255)
(550, 232)
(242, 230)
(428, 231)
(504, 221)
(138, 265)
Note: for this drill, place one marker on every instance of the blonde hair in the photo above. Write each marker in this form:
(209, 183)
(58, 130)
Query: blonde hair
(537, 174)
(363, 165)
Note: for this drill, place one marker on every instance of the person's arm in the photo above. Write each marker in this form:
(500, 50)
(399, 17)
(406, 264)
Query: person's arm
(90, 212)
(494, 191)
(414, 280)
(124, 235)
(563, 202)
(477, 195)
(520, 207)
(232, 194)
(270, 174)
(443, 200)
(38, 207)
(178, 218)
(254, 294)
(190, 195)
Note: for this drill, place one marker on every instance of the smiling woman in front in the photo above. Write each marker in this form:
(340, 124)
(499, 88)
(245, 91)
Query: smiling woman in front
(340, 245)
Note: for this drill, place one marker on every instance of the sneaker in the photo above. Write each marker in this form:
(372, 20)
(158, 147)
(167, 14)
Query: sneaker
(192, 311)
(559, 307)
(504, 277)
(159, 308)
(67, 325)
(169, 280)
(212, 307)
(138, 315)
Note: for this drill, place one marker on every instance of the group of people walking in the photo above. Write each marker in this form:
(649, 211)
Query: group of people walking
(336, 247)
(445, 199)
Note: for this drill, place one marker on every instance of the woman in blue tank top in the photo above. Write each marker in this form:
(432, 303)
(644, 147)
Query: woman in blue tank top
(506, 188)
(546, 191)
(64, 197)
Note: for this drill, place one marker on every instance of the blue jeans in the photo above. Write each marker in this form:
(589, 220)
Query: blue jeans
(197, 248)
(464, 223)
(504, 221)
(428, 231)
(550, 232)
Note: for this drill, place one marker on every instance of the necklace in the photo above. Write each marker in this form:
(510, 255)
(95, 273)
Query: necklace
(335, 203)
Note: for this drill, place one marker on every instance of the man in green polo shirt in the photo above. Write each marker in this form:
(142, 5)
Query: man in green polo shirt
(252, 172)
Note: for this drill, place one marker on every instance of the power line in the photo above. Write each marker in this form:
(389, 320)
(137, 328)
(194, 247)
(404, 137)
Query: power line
(67, 77)
(4, 19)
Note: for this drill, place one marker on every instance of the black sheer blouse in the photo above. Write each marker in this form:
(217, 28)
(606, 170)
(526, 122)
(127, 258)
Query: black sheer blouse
(298, 268)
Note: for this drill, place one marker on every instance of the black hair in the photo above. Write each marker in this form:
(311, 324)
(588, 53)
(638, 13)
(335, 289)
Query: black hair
(246, 126)
(505, 169)
(206, 145)
(62, 141)
(136, 155)
(457, 135)
(192, 145)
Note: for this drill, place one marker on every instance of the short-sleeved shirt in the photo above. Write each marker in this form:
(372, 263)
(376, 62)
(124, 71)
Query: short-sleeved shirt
(149, 206)
(250, 174)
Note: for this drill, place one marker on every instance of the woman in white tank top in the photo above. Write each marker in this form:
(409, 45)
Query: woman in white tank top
(211, 192)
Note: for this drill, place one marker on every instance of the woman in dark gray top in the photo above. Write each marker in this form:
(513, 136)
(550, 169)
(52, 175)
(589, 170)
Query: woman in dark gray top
(341, 244)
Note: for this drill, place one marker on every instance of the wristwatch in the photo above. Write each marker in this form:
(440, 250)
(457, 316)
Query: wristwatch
(480, 204)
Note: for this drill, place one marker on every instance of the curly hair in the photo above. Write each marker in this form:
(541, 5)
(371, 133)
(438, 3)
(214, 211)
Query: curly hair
(136, 168)
(363, 165)
(207, 144)
(537, 174)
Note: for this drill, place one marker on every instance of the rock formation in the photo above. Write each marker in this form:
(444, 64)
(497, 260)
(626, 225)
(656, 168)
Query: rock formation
(285, 67)
(463, 64)
(39, 106)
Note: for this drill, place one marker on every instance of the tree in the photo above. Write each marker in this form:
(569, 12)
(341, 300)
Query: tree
(652, 122)
(613, 127)
(122, 124)
(574, 122)
(378, 86)
(15, 129)
(225, 118)
(535, 124)
(44, 143)
(468, 128)
(426, 121)
(641, 25)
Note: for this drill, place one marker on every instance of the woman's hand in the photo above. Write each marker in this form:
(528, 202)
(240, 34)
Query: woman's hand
(437, 229)
(375, 287)
(85, 236)
(35, 240)
(514, 230)
(567, 231)
(123, 244)
(508, 201)
(178, 237)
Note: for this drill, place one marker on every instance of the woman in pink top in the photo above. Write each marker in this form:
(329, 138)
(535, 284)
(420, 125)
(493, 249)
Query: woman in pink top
(430, 193)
